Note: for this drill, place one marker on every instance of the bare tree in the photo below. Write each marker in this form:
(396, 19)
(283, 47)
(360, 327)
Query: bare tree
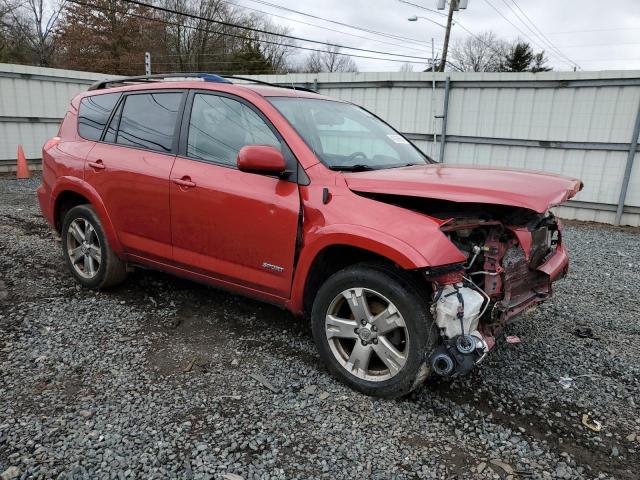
(406, 67)
(329, 60)
(198, 44)
(484, 52)
(35, 21)
(278, 50)
(12, 47)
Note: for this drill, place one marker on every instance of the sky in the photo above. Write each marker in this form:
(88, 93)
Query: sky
(594, 34)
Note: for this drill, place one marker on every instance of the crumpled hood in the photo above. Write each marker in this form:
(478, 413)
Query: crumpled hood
(520, 188)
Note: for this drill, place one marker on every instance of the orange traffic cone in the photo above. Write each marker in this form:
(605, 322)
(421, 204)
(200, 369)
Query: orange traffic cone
(22, 170)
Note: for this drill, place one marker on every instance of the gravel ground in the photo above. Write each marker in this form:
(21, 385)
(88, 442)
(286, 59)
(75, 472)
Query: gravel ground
(166, 378)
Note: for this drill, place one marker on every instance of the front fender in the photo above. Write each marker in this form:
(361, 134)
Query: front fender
(372, 240)
(410, 239)
(79, 186)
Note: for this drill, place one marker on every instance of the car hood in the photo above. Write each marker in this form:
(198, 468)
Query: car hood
(536, 191)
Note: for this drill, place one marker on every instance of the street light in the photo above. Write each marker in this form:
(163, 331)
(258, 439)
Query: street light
(414, 18)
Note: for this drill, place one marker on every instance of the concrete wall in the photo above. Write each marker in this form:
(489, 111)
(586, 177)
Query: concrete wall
(574, 123)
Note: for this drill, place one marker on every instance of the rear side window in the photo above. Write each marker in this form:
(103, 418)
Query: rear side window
(94, 113)
(148, 121)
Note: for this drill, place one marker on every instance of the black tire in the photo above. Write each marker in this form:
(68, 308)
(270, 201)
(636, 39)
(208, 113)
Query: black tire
(111, 271)
(410, 299)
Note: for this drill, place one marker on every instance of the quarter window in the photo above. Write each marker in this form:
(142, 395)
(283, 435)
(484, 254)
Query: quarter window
(94, 113)
(148, 121)
(219, 127)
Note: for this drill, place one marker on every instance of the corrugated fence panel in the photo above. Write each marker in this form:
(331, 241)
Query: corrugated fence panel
(33, 100)
(30, 135)
(572, 123)
(508, 120)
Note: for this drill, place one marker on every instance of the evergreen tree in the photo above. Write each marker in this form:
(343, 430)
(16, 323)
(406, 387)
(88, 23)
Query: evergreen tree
(520, 58)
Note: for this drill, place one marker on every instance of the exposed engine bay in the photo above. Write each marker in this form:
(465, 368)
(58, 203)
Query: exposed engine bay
(501, 278)
(513, 254)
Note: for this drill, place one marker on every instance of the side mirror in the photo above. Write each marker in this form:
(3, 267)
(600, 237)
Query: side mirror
(261, 159)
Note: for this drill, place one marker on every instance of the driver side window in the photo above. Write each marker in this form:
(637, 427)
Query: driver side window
(219, 127)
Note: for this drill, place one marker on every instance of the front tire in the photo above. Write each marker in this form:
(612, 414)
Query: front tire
(86, 250)
(373, 329)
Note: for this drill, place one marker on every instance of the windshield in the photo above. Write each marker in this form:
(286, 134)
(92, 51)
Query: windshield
(346, 137)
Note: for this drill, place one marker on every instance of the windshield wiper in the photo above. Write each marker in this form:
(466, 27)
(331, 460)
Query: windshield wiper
(359, 167)
(402, 165)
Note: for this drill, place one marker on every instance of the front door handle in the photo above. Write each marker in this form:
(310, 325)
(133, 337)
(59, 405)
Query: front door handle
(184, 182)
(98, 165)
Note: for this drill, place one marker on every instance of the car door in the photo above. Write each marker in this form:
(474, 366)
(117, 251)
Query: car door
(130, 170)
(237, 227)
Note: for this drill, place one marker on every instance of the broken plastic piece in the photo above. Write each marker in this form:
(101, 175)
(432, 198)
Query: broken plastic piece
(566, 382)
(593, 425)
(513, 339)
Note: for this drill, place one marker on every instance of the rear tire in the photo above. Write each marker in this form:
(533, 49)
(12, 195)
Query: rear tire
(384, 356)
(87, 252)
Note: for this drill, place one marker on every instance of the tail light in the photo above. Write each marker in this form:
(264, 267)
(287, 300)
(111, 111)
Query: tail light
(51, 143)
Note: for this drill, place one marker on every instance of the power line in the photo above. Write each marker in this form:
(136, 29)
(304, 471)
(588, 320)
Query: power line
(259, 30)
(594, 30)
(336, 22)
(615, 44)
(423, 8)
(520, 30)
(206, 30)
(318, 26)
(540, 33)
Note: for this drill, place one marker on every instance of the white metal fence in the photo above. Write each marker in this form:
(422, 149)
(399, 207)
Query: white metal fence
(33, 101)
(578, 124)
(574, 123)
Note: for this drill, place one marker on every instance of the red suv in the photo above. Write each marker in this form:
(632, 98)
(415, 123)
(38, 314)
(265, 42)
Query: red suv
(406, 268)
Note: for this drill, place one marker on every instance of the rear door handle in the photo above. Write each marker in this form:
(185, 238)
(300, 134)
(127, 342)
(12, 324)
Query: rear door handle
(184, 182)
(97, 165)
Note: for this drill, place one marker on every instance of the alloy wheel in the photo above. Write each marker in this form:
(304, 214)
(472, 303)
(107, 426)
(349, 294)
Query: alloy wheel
(367, 334)
(83, 248)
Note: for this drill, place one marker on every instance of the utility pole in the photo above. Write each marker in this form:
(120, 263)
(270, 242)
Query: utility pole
(433, 95)
(453, 5)
(147, 64)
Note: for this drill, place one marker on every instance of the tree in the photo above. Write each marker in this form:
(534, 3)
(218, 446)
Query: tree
(27, 29)
(109, 37)
(329, 60)
(250, 60)
(521, 58)
(278, 50)
(198, 44)
(14, 45)
(43, 19)
(484, 52)
(539, 63)
(406, 67)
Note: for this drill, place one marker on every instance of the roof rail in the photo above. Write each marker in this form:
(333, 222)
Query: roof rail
(205, 77)
(261, 82)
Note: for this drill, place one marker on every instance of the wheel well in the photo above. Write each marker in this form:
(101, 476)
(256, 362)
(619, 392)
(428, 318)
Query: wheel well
(333, 259)
(65, 202)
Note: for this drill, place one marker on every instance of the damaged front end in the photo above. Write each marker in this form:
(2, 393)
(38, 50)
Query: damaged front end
(513, 256)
